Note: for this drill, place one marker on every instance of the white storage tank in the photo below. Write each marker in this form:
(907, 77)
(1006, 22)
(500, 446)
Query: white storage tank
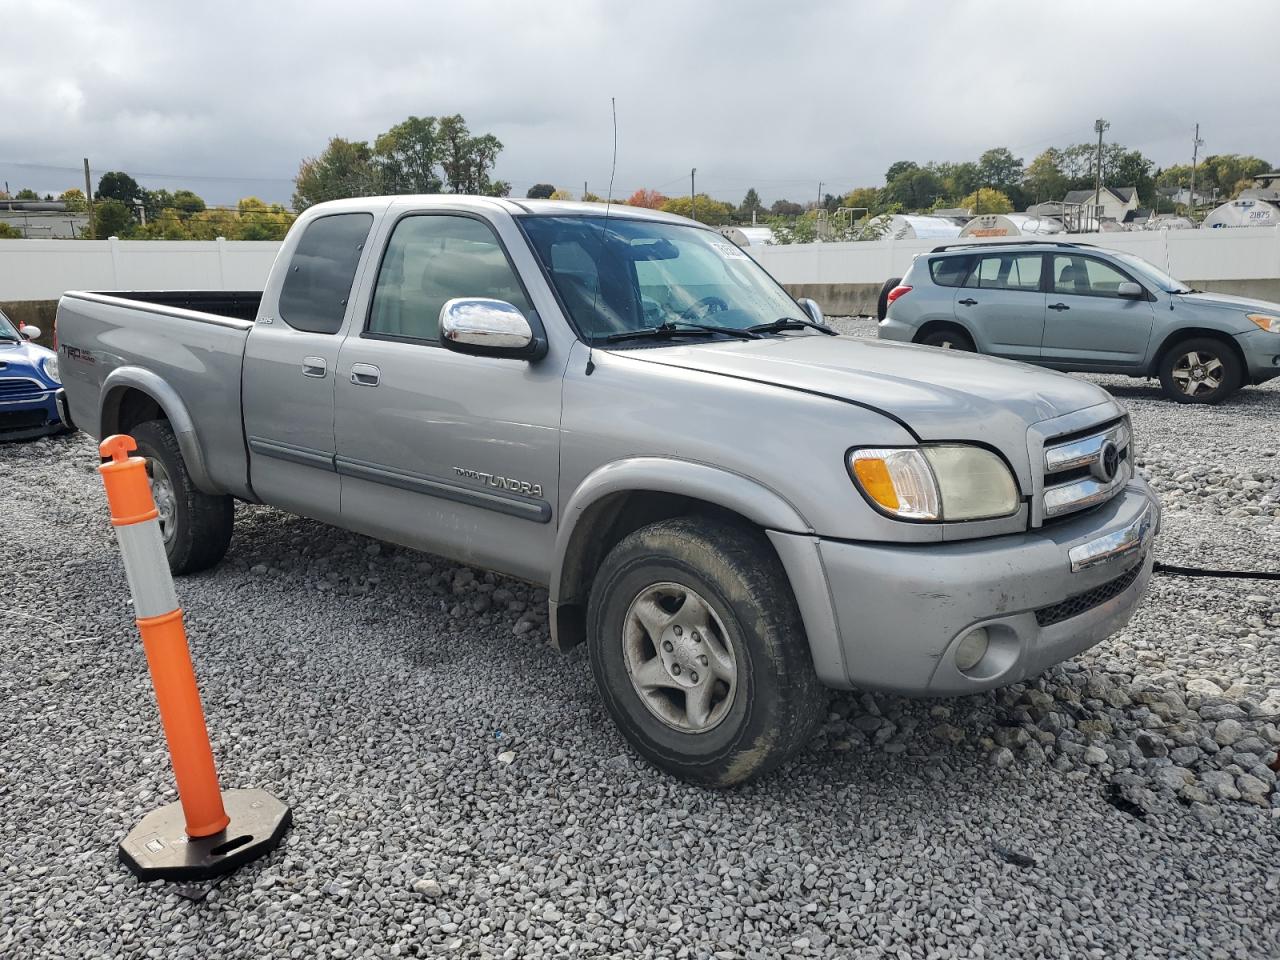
(748, 236)
(1243, 213)
(1010, 225)
(909, 226)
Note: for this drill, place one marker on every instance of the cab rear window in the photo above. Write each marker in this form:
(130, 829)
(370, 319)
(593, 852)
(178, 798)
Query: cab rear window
(949, 271)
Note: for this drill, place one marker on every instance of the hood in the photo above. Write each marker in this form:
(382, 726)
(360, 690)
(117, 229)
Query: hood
(22, 358)
(1226, 301)
(939, 394)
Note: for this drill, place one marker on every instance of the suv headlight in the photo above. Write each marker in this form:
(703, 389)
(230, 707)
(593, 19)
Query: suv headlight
(50, 367)
(1266, 321)
(938, 482)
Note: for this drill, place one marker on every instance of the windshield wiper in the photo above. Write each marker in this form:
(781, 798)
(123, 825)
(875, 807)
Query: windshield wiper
(792, 323)
(685, 327)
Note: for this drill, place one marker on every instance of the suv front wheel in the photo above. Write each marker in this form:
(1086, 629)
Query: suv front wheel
(698, 650)
(1200, 370)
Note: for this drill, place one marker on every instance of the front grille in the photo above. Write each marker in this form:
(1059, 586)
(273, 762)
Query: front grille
(1086, 468)
(1074, 606)
(19, 388)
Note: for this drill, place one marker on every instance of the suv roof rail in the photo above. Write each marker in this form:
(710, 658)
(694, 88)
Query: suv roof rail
(1011, 242)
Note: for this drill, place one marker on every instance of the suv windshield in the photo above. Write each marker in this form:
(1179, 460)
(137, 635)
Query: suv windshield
(1151, 273)
(7, 330)
(630, 275)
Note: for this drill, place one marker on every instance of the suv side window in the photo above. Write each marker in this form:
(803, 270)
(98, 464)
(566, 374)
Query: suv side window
(949, 271)
(316, 290)
(1007, 271)
(1085, 276)
(431, 259)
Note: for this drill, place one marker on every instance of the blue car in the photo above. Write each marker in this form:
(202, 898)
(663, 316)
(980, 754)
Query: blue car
(32, 402)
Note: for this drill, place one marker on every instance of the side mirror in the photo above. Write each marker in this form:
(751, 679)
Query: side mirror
(1131, 290)
(488, 328)
(812, 309)
(29, 332)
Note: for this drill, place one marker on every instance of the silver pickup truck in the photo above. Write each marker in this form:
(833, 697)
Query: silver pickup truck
(734, 507)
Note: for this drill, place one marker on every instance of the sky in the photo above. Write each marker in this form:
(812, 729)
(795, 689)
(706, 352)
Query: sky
(226, 99)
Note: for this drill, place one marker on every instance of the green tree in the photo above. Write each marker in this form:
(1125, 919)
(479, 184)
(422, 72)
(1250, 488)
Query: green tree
(111, 218)
(957, 178)
(26, 194)
(999, 168)
(468, 160)
(785, 208)
(541, 191)
(899, 168)
(868, 197)
(405, 157)
(750, 206)
(9, 232)
(344, 169)
(712, 212)
(1043, 178)
(115, 185)
(987, 200)
(188, 202)
(915, 189)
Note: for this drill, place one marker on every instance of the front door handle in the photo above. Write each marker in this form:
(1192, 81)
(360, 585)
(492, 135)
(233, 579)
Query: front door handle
(968, 301)
(314, 366)
(1058, 306)
(365, 374)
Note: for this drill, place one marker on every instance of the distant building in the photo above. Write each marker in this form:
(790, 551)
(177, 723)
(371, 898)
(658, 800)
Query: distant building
(1113, 202)
(43, 219)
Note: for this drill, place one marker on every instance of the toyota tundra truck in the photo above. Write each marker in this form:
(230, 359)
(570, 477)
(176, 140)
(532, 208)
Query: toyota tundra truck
(734, 507)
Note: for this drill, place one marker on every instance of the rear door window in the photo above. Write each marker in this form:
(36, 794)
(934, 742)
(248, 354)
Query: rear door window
(1008, 271)
(318, 285)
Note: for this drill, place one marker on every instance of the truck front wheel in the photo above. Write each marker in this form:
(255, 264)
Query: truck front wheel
(699, 652)
(196, 526)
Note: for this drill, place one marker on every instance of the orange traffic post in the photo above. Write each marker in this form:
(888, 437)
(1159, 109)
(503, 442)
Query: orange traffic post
(208, 832)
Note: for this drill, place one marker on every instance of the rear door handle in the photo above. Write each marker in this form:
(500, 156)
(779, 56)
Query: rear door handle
(314, 366)
(365, 374)
(1058, 306)
(968, 301)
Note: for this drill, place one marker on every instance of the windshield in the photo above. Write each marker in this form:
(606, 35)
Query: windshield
(1151, 273)
(640, 274)
(7, 330)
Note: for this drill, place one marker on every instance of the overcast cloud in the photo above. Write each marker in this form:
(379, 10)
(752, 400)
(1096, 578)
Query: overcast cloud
(777, 95)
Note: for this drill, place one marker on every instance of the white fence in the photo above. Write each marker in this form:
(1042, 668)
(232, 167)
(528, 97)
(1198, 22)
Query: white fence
(1247, 253)
(45, 269)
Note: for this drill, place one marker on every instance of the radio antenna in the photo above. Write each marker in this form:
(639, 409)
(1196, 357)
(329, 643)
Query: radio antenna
(608, 203)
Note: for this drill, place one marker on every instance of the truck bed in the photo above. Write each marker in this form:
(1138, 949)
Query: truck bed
(183, 348)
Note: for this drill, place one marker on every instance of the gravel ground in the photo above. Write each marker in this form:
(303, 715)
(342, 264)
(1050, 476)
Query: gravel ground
(459, 790)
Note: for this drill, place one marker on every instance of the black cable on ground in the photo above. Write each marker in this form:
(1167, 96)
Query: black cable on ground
(1226, 574)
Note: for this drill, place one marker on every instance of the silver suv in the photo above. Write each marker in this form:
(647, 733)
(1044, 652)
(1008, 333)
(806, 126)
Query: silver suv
(1082, 308)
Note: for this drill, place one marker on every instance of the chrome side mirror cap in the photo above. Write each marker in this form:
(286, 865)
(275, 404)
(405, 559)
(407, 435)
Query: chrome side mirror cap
(489, 328)
(29, 332)
(812, 309)
(1130, 290)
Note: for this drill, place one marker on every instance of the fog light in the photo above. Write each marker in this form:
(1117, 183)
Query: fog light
(971, 649)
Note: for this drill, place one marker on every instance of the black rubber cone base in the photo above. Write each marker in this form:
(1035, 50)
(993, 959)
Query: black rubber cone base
(158, 848)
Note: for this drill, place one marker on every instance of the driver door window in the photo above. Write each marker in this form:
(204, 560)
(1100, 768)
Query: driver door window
(1086, 277)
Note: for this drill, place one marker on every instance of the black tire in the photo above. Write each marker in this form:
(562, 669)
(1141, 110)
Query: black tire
(1176, 369)
(776, 701)
(202, 523)
(948, 338)
(882, 302)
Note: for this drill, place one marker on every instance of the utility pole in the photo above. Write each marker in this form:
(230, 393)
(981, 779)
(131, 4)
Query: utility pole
(819, 194)
(1196, 144)
(1100, 126)
(584, 189)
(88, 194)
(693, 194)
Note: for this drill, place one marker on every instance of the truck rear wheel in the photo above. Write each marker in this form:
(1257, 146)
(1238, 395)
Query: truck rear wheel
(698, 650)
(196, 526)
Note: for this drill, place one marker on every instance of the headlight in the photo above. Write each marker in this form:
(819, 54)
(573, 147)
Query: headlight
(1266, 321)
(50, 367)
(945, 482)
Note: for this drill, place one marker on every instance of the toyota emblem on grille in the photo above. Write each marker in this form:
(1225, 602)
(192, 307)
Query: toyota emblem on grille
(1107, 465)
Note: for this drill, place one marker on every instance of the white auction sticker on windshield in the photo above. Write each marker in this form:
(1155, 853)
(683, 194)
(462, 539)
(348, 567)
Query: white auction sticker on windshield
(729, 251)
